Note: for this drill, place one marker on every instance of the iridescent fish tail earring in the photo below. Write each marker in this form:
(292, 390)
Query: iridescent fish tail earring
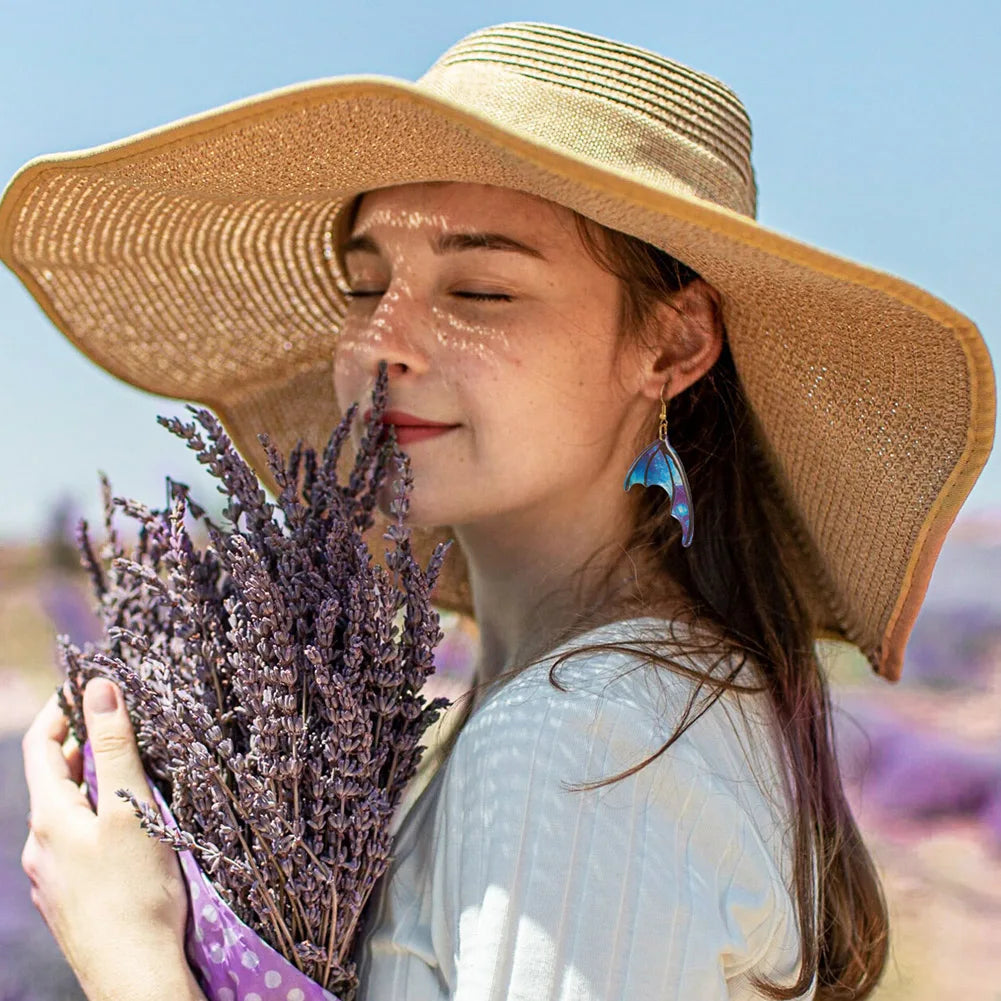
(659, 466)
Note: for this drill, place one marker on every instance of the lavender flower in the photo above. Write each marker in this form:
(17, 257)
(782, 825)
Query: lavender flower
(274, 679)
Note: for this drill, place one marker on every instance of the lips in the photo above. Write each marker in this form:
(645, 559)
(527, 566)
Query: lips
(408, 434)
(409, 428)
(401, 419)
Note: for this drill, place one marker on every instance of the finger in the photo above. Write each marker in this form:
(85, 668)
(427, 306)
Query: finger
(30, 858)
(49, 722)
(71, 749)
(45, 768)
(68, 693)
(116, 757)
(74, 760)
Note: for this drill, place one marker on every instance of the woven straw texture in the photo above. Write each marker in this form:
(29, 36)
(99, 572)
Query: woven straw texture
(197, 261)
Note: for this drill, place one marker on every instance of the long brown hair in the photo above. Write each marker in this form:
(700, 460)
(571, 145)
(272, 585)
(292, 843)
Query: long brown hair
(741, 584)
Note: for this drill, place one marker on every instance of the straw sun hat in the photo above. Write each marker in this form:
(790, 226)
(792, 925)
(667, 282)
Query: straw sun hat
(196, 261)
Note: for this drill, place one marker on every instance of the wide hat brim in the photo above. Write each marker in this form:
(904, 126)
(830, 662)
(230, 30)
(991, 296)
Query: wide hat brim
(194, 261)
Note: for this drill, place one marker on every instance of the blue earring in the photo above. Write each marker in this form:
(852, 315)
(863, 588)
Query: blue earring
(659, 466)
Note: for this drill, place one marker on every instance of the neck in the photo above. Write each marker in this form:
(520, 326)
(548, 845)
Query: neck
(533, 578)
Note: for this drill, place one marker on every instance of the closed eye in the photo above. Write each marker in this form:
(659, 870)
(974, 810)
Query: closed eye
(485, 296)
(476, 296)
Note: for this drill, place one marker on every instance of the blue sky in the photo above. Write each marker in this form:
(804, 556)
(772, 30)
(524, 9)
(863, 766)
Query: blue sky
(876, 136)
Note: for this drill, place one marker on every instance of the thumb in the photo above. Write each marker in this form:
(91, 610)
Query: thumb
(113, 743)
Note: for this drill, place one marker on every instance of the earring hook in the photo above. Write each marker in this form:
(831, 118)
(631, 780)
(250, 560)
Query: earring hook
(662, 430)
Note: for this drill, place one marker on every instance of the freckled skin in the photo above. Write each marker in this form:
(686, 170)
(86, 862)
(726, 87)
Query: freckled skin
(531, 482)
(530, 380)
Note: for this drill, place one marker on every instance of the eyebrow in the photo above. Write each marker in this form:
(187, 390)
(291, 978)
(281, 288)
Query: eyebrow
(447, 243)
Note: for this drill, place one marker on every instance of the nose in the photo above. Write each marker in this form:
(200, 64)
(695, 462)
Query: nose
(397, 331)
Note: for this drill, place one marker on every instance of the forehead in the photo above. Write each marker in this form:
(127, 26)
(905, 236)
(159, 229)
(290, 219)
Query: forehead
(460, 207)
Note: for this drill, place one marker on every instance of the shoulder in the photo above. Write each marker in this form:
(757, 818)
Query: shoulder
(530, 743)
(682, 842)
(612, 708)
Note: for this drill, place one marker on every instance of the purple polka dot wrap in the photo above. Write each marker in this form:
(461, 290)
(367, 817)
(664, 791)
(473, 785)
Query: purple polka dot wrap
(232, 962)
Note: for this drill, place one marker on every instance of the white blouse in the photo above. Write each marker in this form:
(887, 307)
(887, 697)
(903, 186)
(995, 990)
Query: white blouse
(672, 883)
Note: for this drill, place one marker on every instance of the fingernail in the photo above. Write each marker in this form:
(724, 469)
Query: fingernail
(100, 696)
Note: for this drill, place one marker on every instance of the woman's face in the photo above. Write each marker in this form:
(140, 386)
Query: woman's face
(492, 317)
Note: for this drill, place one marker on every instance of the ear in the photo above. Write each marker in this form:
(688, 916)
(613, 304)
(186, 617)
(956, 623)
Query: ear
(688, 332)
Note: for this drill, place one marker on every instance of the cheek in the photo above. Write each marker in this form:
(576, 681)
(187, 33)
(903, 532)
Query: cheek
(342, 392)
(349, 366)
(482, 339)
(579, 400)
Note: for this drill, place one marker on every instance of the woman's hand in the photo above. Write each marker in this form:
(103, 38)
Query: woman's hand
(112, 896)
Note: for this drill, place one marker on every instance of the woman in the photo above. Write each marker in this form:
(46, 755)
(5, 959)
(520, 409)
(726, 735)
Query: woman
(545, 238)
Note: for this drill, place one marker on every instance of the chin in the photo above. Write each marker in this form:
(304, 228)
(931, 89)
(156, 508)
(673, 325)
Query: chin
(419, 515)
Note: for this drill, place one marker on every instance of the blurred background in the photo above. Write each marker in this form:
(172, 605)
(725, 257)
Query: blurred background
(876, 136)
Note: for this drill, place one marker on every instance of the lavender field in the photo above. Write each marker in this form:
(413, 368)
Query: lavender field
(922, 760)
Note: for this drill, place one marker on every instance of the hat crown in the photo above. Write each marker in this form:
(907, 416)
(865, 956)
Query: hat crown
(624, 106)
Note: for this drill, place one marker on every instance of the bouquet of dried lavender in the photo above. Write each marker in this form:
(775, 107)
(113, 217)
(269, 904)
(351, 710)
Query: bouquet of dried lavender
(274, 681)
